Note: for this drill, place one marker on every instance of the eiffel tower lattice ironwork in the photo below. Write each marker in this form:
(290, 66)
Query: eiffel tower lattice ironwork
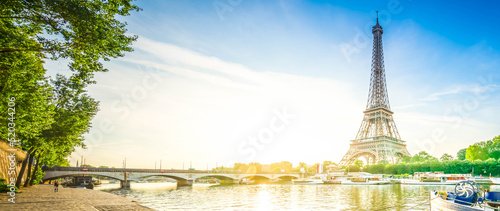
(378, 138)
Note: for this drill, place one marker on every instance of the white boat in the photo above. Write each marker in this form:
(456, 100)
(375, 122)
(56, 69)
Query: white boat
(246, 181)
(316, 179)
(436, 179)
(365, 181)
(357, 178)
(418, 182)
(332, 180)
(482, 181)
(495, 181)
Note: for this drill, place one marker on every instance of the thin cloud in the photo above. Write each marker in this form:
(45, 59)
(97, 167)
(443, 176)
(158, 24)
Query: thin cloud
(437, 96)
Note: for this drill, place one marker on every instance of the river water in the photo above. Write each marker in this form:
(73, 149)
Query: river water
(166, 196)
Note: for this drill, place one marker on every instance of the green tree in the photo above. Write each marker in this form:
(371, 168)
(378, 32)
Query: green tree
(435, 165)
(283, 165)
(300, 166)
(477, 151)
(388, 169)
(74, 110)
(359, 163)
(403, 168)
(240, 167)
(24, 87)
(461, 154)
(326, 164)
(406, 159)
(421, 157)
(352, 168)
(494, 148)
(254, 168)
(383, 162)
(446, 157)
(84, 32)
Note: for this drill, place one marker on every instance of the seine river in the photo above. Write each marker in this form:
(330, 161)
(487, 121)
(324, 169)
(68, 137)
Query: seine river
(165, 196)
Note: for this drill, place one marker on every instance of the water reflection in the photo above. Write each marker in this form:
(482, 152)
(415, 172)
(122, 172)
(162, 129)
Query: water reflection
(162, 196)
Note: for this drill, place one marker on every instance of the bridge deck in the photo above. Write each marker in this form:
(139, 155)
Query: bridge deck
(155, 170)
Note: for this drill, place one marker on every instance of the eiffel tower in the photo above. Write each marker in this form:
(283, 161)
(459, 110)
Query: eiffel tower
(378, 138)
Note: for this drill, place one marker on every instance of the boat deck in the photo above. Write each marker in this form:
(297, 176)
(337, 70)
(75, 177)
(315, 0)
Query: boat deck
(439, 204)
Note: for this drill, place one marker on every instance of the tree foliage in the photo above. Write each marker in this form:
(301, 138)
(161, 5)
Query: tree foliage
(283, 165)
(461, 154)
(248, 168)
(84, 32)
(484, 150)
(446, 157)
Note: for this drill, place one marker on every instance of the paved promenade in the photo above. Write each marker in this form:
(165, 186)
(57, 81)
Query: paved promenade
(43, 197)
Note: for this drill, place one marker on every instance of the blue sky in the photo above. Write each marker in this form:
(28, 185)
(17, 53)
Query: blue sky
(207, 76)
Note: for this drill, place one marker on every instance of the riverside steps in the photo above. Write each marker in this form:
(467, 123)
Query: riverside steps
(43, 197)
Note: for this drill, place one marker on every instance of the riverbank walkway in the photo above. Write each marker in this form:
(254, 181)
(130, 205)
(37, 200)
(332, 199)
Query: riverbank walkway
(43, 197)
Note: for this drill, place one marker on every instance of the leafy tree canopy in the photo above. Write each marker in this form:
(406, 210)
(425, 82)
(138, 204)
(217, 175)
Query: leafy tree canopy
(484, 150)
(446, 157)
(461, 154)
(85, 32)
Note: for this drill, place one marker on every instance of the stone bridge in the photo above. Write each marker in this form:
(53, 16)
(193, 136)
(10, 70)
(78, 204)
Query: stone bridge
(183, 177)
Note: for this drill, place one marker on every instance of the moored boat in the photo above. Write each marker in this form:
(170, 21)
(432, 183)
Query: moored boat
(338, 182)
(366, 182)
(246, 181)
(482, 181)
(437, 203)
(466, 197)
(438, 178)
(367, 179)
(316, 179)
(495, 181)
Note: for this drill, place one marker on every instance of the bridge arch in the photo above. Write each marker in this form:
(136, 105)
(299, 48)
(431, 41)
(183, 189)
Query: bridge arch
(288, 177)
(258, 176)
(218, 176)
(177, 178)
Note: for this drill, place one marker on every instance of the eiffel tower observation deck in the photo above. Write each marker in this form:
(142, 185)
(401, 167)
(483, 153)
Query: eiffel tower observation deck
(378, 138)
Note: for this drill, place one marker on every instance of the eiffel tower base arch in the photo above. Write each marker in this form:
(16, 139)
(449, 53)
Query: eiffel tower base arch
(375, 150)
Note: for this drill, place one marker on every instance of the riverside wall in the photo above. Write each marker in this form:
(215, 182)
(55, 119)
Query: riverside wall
(20, 155)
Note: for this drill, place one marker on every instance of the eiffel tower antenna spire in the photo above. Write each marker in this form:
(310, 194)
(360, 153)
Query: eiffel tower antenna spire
(378, 138)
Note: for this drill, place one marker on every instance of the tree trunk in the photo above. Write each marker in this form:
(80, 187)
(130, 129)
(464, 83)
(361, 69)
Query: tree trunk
(33, 175)
(21, 171)
(30, 165)
(28, 174)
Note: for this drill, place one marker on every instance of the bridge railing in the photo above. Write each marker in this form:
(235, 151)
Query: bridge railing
(58, 168)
